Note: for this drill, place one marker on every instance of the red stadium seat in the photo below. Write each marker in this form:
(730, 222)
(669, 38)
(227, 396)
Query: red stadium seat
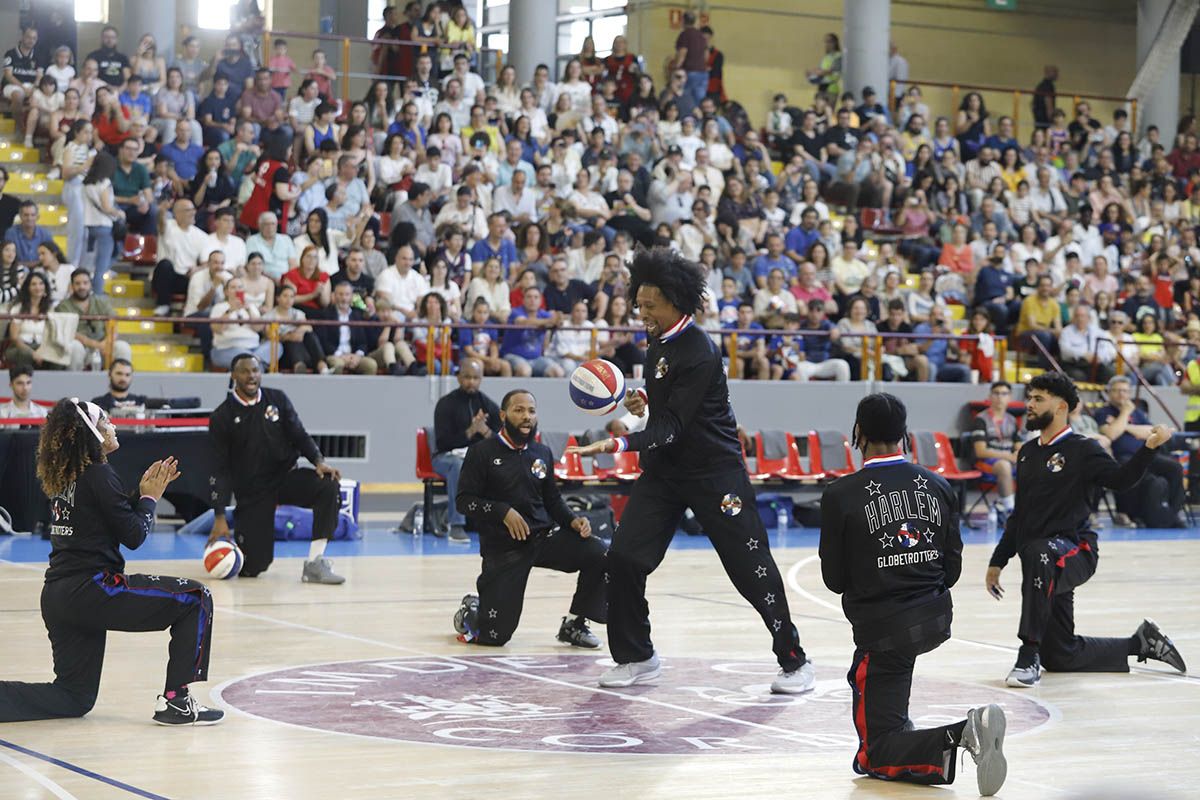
(426, 473)
(140, 250)
(932, 451)
(569, 466)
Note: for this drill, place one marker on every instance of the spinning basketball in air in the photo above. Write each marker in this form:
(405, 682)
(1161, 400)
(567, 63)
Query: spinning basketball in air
(222, 559)
(597, 386)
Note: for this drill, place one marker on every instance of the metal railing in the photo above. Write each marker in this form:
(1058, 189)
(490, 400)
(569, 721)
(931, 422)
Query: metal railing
(489, 64)
(438, 338)
(996, 97)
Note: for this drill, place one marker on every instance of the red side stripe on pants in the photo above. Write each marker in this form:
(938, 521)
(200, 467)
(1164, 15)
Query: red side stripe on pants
(860, 722)
(1062, 562)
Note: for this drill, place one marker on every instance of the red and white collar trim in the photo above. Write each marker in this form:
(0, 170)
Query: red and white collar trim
(257, 398)
(509, 443)
(886, 460)
(679, 327)
(1064, 433)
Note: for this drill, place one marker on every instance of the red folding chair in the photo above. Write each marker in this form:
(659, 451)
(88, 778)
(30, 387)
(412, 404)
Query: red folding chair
(141, 250)
(829, 454)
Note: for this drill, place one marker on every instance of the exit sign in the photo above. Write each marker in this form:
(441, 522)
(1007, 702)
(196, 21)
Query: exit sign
(1003, 5)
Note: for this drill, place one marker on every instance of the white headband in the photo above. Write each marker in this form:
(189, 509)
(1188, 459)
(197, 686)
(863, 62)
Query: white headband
(92, 414)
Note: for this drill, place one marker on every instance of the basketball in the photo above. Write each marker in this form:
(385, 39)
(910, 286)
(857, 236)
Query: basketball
(597, 386)
(222, 559)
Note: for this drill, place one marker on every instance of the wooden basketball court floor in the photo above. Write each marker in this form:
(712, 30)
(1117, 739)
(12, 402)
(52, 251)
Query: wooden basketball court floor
(360, 691)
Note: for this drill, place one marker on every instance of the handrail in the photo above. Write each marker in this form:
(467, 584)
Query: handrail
(497, 56)
(1046, 354)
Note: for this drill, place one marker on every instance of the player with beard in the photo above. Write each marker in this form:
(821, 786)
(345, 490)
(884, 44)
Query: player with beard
(691, 458)
(1057, 476)
(257, 437)
(507, 487)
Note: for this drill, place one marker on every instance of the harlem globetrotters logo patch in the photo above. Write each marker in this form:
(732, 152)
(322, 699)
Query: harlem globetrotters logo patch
(550, 703)
(731, 505)
(1056, 462)
(271, 413)
(538, 468)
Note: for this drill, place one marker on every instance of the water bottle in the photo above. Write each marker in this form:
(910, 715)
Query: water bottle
(419, 520)
(991, 520)
(94, 361)
(781, 516)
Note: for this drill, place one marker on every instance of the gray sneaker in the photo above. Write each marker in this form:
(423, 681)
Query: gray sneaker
(1025, 677)
(457, 534)
(320, 571)
(983, 738)
(575, 632)
(623, 675)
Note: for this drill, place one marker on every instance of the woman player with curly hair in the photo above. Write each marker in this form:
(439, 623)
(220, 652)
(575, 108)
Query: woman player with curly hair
(691, 458)
(87, 592)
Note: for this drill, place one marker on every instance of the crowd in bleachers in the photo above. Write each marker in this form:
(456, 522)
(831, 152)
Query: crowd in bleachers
(440, 198)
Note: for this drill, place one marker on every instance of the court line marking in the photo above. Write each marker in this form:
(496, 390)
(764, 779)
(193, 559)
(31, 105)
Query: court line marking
(495, 668)
(794, 584)
(87, 773)
(38, 777)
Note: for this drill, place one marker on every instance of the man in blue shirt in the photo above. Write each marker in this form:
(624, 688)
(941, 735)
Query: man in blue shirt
(524, 348)
(994, 291)
(1003, 138)
(28, 235)
(774, 259)
(818, 345)
(563, 292)
(183, 153)
(139, 105)
(1127, 427)
(496, 245)
(751, 347)
(943, 354)
(408, 127)
(800, 239)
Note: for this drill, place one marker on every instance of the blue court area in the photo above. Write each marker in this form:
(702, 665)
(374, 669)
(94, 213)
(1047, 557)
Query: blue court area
(381, 541)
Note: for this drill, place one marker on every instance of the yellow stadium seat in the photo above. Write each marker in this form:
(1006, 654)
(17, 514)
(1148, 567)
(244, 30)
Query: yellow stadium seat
(8, 125)
(776, 167)
(23, 183)
(911, 281)
(166, 362)
(52, 215)
(13, 154)
(956, 312)
(144, 350)
(133, 326)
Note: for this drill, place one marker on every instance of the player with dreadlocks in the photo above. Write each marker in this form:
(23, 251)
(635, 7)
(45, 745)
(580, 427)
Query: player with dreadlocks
(87, 592)
(890, 546)
(690, 458)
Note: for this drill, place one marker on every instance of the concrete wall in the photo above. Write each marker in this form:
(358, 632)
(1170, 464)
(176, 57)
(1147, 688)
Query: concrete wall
(388, 411)
(768, 44)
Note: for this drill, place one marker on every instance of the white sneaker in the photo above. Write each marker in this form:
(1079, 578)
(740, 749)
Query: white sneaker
(623, 675)
(798, 681)
(162, 311)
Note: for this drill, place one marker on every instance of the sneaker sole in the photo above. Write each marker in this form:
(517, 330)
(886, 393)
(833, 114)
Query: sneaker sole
(992, 767)
(581, 645)
(1016, 683)
(786, 690)
(198, 724)
(645, 677)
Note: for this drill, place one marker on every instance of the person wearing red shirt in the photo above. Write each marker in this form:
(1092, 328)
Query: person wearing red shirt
(272, 188)
(716, 68)
(111, 120)
(1185, 158)
(621, 67)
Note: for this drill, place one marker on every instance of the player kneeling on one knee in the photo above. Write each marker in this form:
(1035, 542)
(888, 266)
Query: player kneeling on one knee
(1057, 474)
(257, 437)
(87, 592)
(890, 546)
(507, 489)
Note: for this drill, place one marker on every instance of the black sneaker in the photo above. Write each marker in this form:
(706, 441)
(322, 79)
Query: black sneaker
(184, 711)
(464, 618)
(576, 633)
(1157, 645)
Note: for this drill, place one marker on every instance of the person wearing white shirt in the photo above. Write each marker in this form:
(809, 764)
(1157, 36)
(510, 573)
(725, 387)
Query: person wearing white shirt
(206, 286)
(689, 142)
(180, 252)
(516, 199)
(897, 72)
(465, 214)
(236, 333)
(705, 174)
(278, 252)
(571, 348)
(401, 285)
(671, 201)
(224, 239)
(599, 118)
(435, 174)
(1078, 342)
(472, 84)
(774, 298)
(20, 381)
